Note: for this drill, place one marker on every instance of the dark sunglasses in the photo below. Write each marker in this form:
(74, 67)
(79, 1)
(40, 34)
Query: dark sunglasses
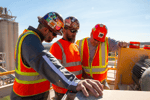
(73, 31)
(54, 34)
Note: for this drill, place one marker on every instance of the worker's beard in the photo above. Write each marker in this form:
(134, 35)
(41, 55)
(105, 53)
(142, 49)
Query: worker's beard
(47, 38)
(70, 38)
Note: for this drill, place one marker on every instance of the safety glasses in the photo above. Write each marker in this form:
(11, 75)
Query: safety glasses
(54, 34)
(73, 31)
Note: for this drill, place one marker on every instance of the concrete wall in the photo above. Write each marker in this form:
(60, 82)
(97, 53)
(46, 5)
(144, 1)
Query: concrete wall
(5, 90)
(16, 27)
(8, 38)
(4, 44)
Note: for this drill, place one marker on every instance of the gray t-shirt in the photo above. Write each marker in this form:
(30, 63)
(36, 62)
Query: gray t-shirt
(112, 47)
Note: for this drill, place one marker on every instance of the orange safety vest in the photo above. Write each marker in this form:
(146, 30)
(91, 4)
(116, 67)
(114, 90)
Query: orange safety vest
(69, 58)
(99, 66)
(27, 81)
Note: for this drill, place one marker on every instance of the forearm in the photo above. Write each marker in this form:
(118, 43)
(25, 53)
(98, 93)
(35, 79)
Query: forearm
(47, 65)
(113, 45)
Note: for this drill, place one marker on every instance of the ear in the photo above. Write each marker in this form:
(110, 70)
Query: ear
(91, 34)
(64, 31)
(44, 30)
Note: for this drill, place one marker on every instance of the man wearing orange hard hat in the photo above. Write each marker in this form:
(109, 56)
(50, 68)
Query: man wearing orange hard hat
(94, 53)
(36, 68)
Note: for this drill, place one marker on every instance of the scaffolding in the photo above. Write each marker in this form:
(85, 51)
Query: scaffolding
(5, 79)
(8, 37)
(2, 59)
(5, 16)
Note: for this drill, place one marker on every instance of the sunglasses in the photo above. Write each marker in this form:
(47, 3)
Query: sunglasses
(73, 31)
(54, 34)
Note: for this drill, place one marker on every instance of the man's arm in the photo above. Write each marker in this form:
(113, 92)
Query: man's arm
(115, 45)
(49, 67)
(46, 64)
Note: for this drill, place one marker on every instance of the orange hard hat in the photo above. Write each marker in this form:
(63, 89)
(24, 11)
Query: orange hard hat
(99, 32)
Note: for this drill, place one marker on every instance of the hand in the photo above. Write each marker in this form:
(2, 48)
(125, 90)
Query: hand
(94, 86)
(123, 44)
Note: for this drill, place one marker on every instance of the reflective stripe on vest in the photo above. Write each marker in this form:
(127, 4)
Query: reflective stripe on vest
(64, 62)
(101, 55)
(69, 67)
(27, 80)
(96, 70)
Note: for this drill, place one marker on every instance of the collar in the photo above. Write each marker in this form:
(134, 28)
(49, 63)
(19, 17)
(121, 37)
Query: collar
(66, 40)
(37, 31)
(90, 44)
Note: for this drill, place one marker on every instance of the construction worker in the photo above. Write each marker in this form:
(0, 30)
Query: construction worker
(94, 53)
(36, 68)
(67, 52)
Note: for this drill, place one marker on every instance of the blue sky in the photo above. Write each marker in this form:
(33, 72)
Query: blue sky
(126, 20)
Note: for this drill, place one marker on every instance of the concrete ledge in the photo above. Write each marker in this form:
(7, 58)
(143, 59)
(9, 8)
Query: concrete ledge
(5, 90)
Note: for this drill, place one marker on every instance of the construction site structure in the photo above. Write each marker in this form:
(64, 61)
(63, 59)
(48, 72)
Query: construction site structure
(120, 71)
(119, 78)
(2, 59)
(8, 37)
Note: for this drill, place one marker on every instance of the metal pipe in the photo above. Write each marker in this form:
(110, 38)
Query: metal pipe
(7, 73)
